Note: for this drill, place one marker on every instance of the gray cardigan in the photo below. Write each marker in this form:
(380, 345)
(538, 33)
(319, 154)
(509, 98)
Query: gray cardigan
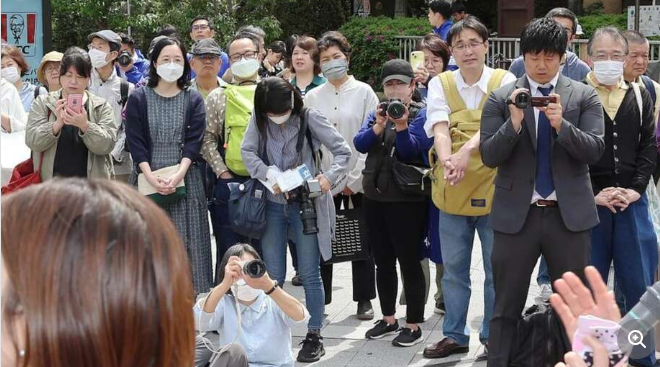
(323, 133)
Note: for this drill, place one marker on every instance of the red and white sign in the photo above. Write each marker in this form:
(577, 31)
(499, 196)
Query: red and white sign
(20, 30)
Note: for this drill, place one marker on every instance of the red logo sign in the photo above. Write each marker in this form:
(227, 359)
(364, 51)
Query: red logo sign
(19, 29)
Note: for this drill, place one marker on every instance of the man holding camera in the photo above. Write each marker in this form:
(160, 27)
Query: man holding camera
(463, 186)
(103, 51)
(625, 235)
(132, 65)
(541, 133)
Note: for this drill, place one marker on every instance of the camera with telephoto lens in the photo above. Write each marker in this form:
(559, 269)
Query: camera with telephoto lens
(394, 107)
(254, 268)
(124, 58)
(305, 195)
(524, 100)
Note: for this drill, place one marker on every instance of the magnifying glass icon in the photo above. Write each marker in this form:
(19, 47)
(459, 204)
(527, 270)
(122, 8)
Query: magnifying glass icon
(636, 338)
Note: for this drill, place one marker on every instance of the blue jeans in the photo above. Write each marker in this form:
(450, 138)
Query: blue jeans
(279, 218)
(627, 238)
(457, 238)
(544, 276)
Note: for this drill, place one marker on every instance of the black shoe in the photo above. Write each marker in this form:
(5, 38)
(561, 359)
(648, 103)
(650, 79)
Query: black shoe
(312, 348)
(365, 311)
(408, 338)
(296, 280)
(381, 329)
(439, 308)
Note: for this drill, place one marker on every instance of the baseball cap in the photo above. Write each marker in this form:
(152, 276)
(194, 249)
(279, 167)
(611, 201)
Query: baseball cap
(107, 35)
(397, 69)
(206, 46)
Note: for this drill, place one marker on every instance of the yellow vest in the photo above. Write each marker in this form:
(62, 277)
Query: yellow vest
(473, 196)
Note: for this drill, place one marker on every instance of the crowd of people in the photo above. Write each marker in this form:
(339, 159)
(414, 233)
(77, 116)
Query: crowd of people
(553, 160)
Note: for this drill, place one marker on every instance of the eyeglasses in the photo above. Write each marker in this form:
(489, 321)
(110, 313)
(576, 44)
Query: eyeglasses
(50, 68)
(207, 57)
(200, 27)
(471, 45)
(614, 57)
(246, 55)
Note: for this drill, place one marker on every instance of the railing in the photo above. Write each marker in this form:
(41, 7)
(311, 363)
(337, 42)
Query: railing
(502, 49)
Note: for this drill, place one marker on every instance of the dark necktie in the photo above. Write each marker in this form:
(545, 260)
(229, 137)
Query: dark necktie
(544, 183)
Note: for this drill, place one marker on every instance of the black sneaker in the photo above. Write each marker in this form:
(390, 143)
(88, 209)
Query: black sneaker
(296, 280)
(381, 329)
(408, 338)
(312, 348)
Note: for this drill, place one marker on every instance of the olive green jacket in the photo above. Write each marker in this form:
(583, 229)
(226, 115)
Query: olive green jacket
(100, 136)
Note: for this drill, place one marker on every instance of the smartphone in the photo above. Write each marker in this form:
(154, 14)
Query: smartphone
(74, 102)
(416, 59)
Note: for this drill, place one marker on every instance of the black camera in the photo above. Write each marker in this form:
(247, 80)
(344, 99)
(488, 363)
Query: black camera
(254, 268)
(524, 100)
(394, 107)
(305, 196)
(124, 58)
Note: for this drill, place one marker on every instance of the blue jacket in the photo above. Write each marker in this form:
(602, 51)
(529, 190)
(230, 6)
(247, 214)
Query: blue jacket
(410, 143)
(443, 30)
(574, 68)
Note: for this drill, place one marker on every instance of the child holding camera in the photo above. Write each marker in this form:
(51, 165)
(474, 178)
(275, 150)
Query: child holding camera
(272, 140)
(267, 313)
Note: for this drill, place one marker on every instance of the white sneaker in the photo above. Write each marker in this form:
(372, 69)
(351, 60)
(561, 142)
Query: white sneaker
(546, 292)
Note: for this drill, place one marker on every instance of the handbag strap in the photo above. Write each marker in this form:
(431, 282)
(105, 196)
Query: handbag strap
(186, 120)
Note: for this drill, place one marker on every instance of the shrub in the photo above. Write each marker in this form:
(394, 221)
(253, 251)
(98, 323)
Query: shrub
(373, 43)
(590, 23)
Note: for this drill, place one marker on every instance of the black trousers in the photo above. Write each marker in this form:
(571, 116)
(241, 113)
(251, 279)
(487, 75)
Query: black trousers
(396, 229)
(513, 260)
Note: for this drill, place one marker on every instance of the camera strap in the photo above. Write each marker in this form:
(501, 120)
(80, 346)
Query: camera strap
(303, 133)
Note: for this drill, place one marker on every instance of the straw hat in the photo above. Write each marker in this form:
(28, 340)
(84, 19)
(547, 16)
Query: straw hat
(53, 56)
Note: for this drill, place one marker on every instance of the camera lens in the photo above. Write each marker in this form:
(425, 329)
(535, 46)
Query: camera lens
(396, 109)
(254, 268)
(124, 59)
(522, 100)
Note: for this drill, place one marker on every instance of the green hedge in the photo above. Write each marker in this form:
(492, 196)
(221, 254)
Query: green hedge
(373, 43)
(590, 23)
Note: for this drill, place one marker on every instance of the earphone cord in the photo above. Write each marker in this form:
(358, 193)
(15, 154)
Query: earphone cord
(205, 340)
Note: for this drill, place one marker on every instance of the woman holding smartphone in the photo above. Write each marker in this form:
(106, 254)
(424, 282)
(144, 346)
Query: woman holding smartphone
(71, 132)
(165, 124)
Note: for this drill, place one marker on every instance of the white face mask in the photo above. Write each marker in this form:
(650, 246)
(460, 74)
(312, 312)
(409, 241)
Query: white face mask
(10, 74)
(608, 72)
(170, 72)
(246, 293)
(98, 58)
(245, 68)
(281, 119)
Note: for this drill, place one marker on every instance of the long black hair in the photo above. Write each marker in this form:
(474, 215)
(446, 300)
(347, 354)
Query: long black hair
(274, 95)
(154, 78)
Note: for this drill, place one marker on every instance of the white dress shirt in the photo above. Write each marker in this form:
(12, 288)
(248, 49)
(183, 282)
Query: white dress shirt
(346, 108)
(437, 109)
(534, 91)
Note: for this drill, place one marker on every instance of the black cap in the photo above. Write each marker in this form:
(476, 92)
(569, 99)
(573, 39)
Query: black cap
(106, 34)
(206, 46)
(397, 69)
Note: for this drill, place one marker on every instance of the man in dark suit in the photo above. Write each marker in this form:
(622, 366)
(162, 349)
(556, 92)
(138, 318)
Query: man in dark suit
(543, 201)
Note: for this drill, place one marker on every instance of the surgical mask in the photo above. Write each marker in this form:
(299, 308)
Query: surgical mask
(245, 68)
(335, 69)
(246, 293)
(98, 58)
(10, 74)
(170, 72)
(608, 72)
(280, 119)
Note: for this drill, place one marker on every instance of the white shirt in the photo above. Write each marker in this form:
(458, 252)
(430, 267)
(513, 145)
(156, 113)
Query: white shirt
(346, 108)
(534, 91)
(265, 329)
(12, 106)
(111, 91)
(437, 108)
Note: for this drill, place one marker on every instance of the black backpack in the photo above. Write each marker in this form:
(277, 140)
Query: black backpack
(541, 339)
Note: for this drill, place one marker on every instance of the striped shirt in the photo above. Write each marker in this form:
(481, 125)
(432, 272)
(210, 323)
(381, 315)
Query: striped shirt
(281, 149)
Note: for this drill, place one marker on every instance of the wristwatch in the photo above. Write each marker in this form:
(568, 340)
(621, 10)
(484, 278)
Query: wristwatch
(275, 286)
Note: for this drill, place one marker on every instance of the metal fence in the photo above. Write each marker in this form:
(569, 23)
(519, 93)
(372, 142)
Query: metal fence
(505, 49)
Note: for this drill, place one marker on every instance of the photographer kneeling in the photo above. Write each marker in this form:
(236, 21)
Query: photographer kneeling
(267, 313)
(394, 135)
(271, 144)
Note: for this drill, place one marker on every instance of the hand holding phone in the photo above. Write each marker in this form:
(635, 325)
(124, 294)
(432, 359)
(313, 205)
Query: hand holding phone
(416, 59)
(74, 102)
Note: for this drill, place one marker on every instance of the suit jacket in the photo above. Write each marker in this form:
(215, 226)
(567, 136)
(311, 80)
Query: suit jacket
(578, 144)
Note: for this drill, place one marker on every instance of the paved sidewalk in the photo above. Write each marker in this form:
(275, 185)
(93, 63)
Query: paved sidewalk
(343, 333)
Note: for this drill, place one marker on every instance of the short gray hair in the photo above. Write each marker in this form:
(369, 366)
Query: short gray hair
(609, 31)
(636, 37)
